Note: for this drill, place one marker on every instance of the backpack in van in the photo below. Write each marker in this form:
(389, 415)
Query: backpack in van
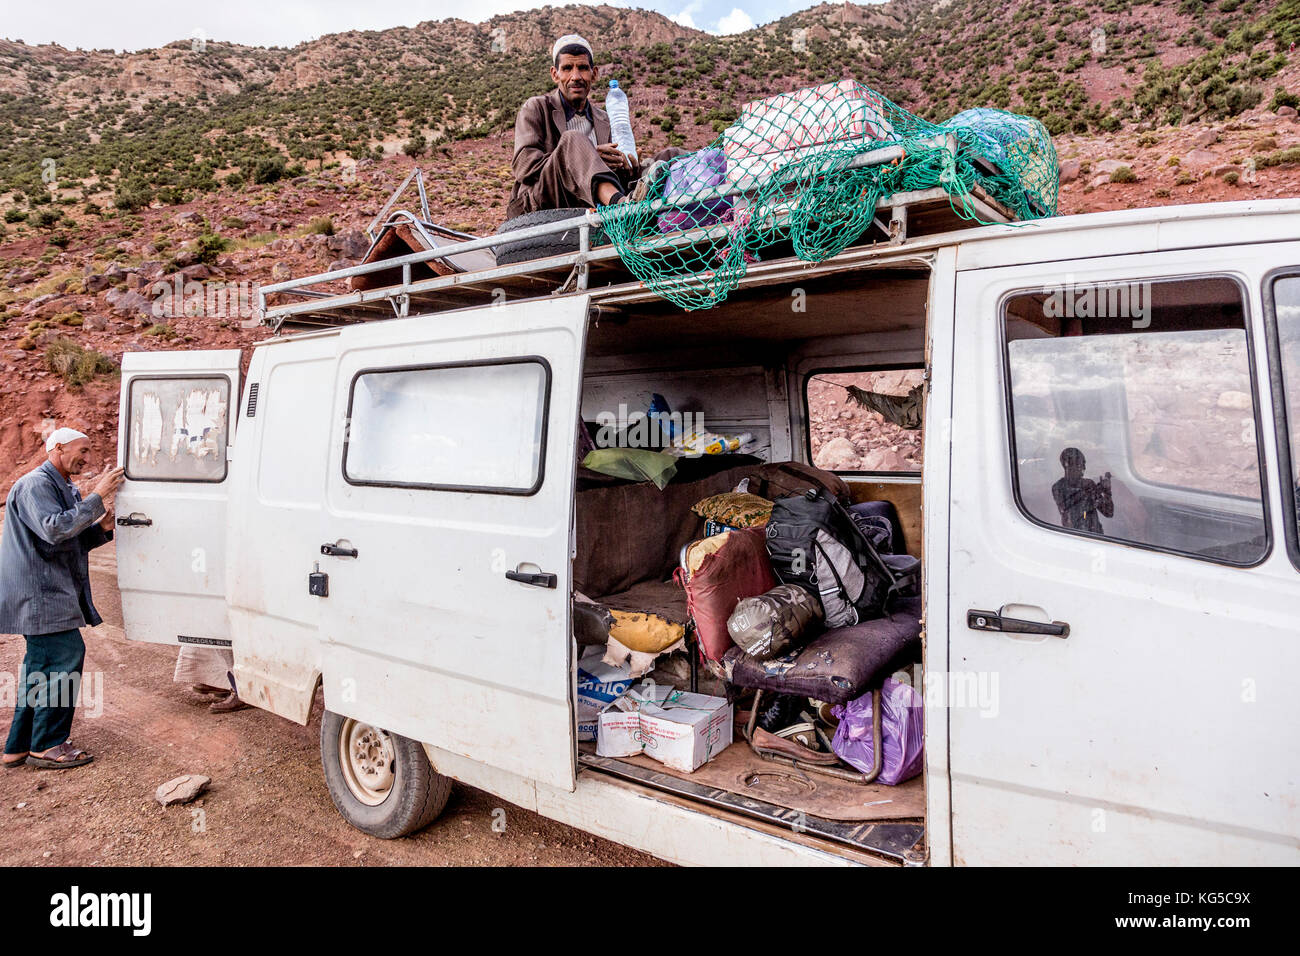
(815, 543)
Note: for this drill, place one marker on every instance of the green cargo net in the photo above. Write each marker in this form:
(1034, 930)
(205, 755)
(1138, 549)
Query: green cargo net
(795, 163)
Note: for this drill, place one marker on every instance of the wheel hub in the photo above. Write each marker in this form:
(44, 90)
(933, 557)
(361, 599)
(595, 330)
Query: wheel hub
(368, 760)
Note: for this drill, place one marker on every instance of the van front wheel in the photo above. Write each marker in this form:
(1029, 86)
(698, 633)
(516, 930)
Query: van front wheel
(381, 782)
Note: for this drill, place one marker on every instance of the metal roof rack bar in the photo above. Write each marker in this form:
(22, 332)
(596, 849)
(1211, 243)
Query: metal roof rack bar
(874, 157)
(579, 261)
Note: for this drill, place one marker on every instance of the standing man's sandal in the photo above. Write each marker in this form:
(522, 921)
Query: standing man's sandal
(229, 705)
(20, 760)
(63, 757)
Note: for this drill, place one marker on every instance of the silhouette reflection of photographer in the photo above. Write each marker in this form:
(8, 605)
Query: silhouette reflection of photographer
(1080, 499)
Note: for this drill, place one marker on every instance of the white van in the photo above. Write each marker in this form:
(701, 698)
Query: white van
(391, 510)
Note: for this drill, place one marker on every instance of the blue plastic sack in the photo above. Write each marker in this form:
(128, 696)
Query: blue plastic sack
(902, 733)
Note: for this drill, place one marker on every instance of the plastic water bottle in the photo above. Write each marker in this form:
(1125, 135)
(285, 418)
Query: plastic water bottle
(620, 120)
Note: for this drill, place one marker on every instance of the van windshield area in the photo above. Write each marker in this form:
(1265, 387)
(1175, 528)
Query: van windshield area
(1134, 415)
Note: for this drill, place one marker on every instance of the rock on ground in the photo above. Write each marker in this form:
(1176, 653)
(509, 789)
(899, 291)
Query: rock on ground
(182, 789)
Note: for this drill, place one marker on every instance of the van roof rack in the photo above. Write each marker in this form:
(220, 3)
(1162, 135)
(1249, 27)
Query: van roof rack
(350, 295)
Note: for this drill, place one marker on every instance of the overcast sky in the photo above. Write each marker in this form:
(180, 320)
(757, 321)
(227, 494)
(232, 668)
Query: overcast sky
(140, 24)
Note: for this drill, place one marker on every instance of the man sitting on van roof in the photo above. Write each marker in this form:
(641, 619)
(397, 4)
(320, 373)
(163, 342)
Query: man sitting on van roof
(565, 156)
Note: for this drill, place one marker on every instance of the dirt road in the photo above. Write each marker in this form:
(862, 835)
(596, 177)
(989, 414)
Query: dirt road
(267, 804)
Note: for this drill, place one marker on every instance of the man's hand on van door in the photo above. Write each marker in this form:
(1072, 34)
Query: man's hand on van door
(614, 157)
(106, 487)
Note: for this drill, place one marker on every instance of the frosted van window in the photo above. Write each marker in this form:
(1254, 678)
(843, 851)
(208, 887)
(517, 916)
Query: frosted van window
(464, 427)
(177, 429)
(1133, 415)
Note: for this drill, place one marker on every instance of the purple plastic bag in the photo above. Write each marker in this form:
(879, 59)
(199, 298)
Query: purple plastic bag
(689, 174)
(901, 728)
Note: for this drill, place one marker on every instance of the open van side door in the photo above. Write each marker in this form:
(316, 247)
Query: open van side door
(174, 435)
(445, 539)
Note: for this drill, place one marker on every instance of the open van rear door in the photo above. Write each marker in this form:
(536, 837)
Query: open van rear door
(174, 433)
(444, 557)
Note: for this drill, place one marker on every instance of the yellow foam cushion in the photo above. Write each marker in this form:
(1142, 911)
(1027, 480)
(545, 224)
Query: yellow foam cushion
(647, 633)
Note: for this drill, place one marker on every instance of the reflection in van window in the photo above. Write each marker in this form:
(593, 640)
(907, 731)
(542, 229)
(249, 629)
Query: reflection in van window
(469, 426)
(177, 429)
(1133, 415)
(1286, 305)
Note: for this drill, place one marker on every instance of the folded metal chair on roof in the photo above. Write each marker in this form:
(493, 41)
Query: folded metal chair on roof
(397, 232)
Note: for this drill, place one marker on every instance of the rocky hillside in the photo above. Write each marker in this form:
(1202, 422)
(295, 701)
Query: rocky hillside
(238, 165)
(120, 131)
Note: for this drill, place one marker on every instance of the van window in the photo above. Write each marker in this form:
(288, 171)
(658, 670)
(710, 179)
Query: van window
(879, 432)
(1133, 415)
(1285, 295)
(476, 427)
(177, 428)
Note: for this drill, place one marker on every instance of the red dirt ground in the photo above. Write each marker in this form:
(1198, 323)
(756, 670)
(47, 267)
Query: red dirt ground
(267, 805)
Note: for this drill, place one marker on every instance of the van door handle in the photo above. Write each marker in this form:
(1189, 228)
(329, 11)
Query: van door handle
(993, 621)
(135, 520)
(335, 551)
(539, 580)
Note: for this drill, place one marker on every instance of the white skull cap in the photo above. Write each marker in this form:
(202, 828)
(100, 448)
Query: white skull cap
(569, 40)
(62, 436)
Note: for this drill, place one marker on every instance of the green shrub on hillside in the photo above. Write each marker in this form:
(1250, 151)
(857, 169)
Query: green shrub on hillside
(75, 364)
(269, 169)
(209, 246)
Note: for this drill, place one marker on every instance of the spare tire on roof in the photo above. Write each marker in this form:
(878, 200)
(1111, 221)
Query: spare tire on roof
(540, 247)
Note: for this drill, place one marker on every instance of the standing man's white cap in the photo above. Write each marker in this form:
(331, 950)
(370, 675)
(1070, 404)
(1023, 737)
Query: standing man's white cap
(63, 436)
(571, 39)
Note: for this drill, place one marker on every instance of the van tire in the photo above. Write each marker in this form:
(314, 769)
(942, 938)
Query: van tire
(539, 247)
(410, 793)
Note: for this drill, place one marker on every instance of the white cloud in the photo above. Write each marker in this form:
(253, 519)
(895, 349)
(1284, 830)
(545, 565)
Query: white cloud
(686, 16)
(737, 21)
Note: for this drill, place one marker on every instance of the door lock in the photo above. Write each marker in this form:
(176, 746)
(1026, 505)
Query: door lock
(318, 582)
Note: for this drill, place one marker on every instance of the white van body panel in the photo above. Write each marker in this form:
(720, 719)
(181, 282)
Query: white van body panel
(284, 431)
(1140, 738)
(171, 572)
(934, 566)
(641, 819)
(1128, 232)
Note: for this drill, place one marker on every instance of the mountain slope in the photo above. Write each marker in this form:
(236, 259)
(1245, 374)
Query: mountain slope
(168, 124)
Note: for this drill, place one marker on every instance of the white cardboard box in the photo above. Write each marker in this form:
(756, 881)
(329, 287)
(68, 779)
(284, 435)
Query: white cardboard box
(679, 729)
(599, 684)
